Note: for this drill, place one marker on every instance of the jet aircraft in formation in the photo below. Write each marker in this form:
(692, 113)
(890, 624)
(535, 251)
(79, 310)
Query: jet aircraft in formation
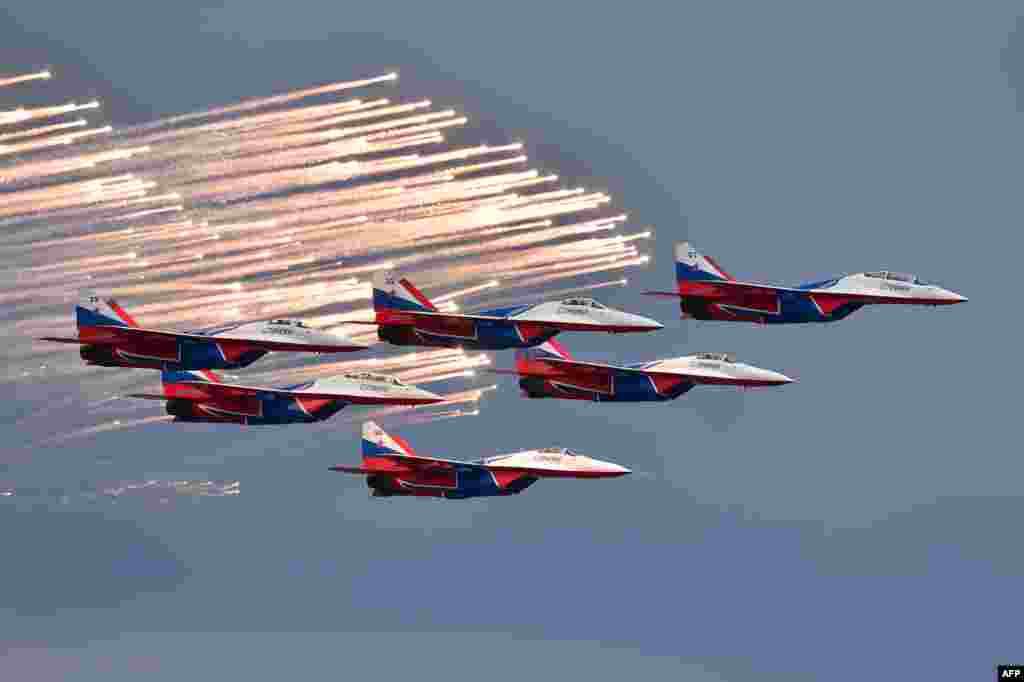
(392, 468)
(707, 292)
(404, 316)
(550, 372)
(202, 396)
(110, 337)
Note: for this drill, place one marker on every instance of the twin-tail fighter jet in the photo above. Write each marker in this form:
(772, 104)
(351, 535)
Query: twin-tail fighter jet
(392, 468)
(405, 317)
(203, 397)
(110, 337)
(548, 371)
(707, 292)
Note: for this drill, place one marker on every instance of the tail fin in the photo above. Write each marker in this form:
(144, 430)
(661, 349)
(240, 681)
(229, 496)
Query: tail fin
(548, 349)
(692, 266)
(93, 311)
(391, 291)
(202, 376)
(377, 443)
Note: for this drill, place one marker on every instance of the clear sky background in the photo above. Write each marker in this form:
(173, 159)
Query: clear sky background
(857, 525)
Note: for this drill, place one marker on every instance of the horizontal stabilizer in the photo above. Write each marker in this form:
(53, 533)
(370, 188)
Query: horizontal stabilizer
(352, 470)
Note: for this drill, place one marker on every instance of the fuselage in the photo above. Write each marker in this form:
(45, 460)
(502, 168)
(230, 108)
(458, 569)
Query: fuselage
(451, 485)
(492, 477)
(255, 410)
(201, 401)
(825, 301)
(228, 347)
(167, 353)
(655, 381)
(523, 326)
(625, 388)
(467, 333)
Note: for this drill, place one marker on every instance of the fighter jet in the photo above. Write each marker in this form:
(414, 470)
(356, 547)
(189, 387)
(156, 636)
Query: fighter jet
(548, 371)
(204, 397)
(406, 317)
(707, 292)
(392, 468)
(110, 337)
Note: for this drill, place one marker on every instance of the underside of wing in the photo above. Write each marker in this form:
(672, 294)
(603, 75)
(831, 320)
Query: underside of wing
(712, 289)
(279, 346)
(112, 335)
(353, 470)
(63, 339)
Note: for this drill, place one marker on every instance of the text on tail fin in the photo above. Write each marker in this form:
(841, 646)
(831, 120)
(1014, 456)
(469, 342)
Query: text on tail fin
(694, 266)
(93, 310)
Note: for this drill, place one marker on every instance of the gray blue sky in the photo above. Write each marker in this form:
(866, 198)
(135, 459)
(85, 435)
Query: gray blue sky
(849, 527)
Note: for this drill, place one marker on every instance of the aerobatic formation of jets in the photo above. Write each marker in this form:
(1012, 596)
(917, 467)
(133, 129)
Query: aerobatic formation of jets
(283, 202)
(109, 336)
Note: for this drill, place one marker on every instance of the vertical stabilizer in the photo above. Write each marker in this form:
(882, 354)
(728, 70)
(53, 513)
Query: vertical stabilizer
(392, 291)
(93, 311)
(378, 443)
(692, 266)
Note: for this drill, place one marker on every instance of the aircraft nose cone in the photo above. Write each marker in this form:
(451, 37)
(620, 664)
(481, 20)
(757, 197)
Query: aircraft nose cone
(608, 468)
(617, 469)
(427, 396)
(779, 378)
(645, 323)
(956, 298)
(765, 377)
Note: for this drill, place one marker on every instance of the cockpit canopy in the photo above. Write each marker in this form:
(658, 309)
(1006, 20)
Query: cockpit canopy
(895, 277)
(288, 323)
(583, 303)
(557, 451)
(720, 357)
(372, 376)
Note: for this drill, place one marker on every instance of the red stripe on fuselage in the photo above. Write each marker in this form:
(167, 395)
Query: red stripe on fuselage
(665, 385)
(504, 477)
(560, 349)
(232, 351)
(828, 304)
(529, 330)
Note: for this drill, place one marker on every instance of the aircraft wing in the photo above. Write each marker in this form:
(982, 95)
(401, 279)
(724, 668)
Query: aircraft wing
(202, 391)
(404, 318)
(747, 290)
(413, 463)
(111, 335)
(597, 374)
(561, 367)
(723, 289)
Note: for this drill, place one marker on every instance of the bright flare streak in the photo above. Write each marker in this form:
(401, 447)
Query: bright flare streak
(466, 291)
(12, 80)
